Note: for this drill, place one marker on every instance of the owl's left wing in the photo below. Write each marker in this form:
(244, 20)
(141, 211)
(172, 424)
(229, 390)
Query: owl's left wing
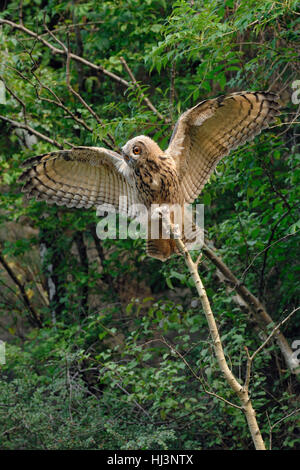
(80, 177)
(208, 131)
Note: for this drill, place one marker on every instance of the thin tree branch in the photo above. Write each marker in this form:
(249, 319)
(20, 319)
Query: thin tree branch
(273, 231)
(57, 51)
(267, 248)
(277, 422)
(13, 94)
(107, 278)
(273, 333)
(73, 26)
(172, 88)
(34, 316)
(111, 144)
(82, 252)
(57, 101)
(213, 394)
(82, 60)
(275, 189)
(20, 125)
(254, 305)
(142, 94)
(21, 12)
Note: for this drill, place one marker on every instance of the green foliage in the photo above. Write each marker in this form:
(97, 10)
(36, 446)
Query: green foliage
(44, 407)
(123, 357)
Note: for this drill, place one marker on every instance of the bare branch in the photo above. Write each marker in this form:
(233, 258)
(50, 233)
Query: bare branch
(74, 26)
(172, 89)
(34, 316)
(56, 51)
(98, 68)
(273, 333)
(20, 125)
(13, 94)
(21, 12)
(267, 248)
(112, 143)
(254, 305)
(208, 392)
(57, 101)
(277, 422)
(199, 258)
(144, 97)
(273, 231)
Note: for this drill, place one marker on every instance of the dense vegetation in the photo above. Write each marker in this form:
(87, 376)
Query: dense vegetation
(105, 347)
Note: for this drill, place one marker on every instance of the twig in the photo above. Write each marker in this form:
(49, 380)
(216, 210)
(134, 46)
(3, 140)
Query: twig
(55, 50)
(79, 48)
(144, 97)
(106, 276)
(273, 231)
(20, 125)
(82, 60)
(21, 12)
(134, 401)
(111, 144)
(57, 101)
(267, 248)
(277, 422)
(172, 89)
(69, 385)
(248, 369)
(273, 186)
(126, 391)
(73, 26)
(13, 94)
(253, 304)
(34, 316)
(213, 394)
(278, 76)
(199, 258)
(273, 333)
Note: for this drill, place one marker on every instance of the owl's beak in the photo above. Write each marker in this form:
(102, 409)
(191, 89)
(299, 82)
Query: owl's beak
(126, 157)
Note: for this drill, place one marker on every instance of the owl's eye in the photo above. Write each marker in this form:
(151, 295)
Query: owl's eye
(136, 150)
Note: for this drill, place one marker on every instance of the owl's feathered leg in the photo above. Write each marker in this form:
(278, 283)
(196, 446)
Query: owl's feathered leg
(159, 246)
(161, 249)
(163, 246)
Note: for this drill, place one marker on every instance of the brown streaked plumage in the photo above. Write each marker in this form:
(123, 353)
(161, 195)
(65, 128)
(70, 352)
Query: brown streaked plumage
(84, 177)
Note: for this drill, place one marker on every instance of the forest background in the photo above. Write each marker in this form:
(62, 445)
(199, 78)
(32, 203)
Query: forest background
(106, 348)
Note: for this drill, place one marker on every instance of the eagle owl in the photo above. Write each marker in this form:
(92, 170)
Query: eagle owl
(86, 177)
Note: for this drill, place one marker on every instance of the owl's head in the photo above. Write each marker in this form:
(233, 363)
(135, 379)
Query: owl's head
(139, 147)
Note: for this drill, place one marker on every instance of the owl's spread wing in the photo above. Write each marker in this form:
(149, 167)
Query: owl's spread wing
(207, 132)
(80, 177)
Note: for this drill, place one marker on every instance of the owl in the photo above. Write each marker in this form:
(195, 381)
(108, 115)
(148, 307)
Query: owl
(85, 177)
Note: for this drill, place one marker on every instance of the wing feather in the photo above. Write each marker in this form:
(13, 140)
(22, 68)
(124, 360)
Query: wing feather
(81, 177)
(206, 133)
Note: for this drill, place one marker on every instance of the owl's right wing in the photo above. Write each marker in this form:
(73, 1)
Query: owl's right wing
(81, 177)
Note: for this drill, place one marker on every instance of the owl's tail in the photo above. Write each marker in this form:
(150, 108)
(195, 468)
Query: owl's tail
(162, 248)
